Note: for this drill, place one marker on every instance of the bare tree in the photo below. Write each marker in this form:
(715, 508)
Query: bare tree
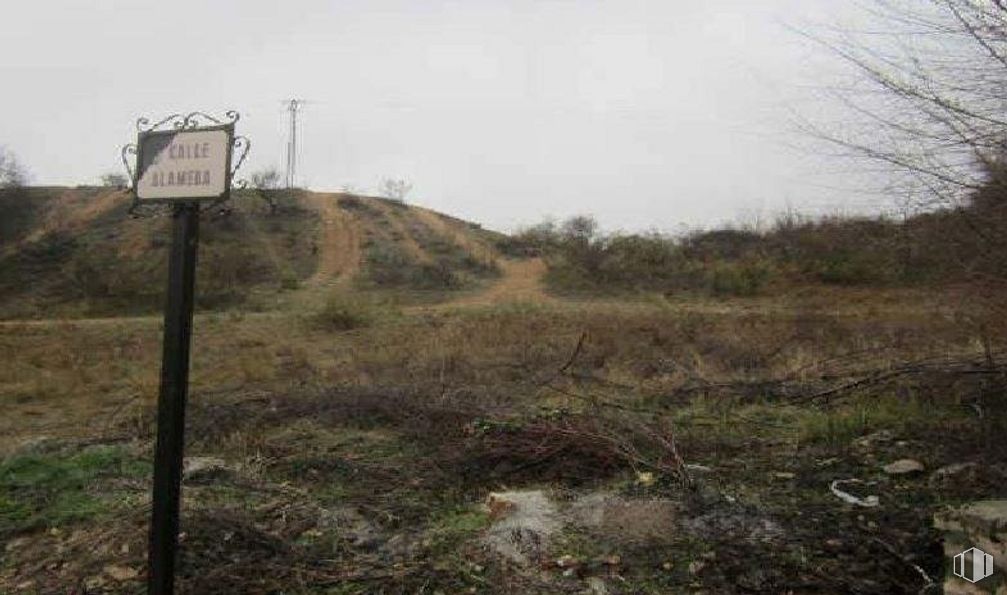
(266, 179)
(114, 180)
(12, 173)
(395, 189)
(930, 103)
(266, 183)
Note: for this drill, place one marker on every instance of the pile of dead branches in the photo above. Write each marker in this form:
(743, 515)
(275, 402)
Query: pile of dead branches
(570, 446)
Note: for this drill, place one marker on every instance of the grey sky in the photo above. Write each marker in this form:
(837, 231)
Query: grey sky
(645, 114)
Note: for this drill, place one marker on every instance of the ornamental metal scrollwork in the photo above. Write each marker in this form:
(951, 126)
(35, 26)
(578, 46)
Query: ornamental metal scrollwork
(127, 150)
(241, 143)
(192, 119)
(189, 120)
(144, 125)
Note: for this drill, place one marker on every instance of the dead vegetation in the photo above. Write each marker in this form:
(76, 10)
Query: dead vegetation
(357, 457)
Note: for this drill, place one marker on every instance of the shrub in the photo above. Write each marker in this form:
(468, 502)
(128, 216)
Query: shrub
(289, 281)
(343, 312)
(745, 278)
(848, 268)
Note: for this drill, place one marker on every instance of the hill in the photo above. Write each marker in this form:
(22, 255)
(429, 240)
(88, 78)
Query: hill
(78, 251)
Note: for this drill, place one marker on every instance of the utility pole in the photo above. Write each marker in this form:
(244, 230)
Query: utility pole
(293, 105)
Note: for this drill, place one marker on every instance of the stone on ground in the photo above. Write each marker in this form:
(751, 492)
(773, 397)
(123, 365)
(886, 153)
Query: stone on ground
(196, 469)
(980, 525)
(949, 474)
(903, 467)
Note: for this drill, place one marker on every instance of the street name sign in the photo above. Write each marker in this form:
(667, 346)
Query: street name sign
(184, 165)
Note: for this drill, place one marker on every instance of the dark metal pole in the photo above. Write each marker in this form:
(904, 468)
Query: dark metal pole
(171, 400)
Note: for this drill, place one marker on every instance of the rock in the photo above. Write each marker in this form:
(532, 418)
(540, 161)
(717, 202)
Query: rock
(981, 525)
(696, 567)
(879, 437)
(988, 517)
(94, 583)
(645, 478)
(204, 469)
(871, 441)
(701, 469)
(121, 573)
(951, 473)
(903, 467)
(522, 535)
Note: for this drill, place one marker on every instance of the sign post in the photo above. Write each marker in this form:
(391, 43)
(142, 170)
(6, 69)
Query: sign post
(183, 166)
(172, 397)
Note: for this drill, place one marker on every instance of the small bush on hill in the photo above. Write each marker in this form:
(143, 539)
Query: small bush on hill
(343, 312)
(451, 267)
(742, 278)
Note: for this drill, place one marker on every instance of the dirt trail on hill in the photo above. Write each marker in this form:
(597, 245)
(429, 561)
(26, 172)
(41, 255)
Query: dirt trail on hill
(521, 282)
(441, 227)
(338, 243)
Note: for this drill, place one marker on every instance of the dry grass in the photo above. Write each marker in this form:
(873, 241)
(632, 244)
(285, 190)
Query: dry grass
(54, 376)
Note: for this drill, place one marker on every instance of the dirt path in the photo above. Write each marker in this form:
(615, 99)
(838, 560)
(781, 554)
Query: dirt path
(338, 243)
(441, 227)
(521, 282)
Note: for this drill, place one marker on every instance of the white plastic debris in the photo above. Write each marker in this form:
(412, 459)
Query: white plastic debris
(868, 502)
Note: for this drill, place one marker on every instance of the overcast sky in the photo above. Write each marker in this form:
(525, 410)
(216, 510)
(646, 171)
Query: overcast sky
(648, 115)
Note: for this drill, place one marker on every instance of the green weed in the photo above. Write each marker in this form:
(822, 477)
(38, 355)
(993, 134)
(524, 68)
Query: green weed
(39, 490)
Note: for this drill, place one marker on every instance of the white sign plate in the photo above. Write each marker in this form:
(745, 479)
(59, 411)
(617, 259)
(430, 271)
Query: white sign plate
(184, 164)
